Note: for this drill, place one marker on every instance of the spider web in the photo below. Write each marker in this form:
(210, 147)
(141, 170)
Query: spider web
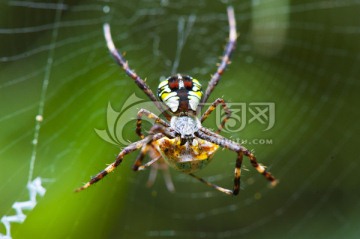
(301, 55)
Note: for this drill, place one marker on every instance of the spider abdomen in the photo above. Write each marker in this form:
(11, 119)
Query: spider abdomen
(188, 157)
(181, 93)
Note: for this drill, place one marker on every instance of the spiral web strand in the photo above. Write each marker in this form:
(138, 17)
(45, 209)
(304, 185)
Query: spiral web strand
(34, 188)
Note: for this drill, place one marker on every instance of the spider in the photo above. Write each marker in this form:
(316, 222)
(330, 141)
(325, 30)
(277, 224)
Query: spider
(181, 140)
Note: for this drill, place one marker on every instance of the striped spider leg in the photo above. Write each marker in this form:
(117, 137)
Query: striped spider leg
(156, 132)
(225, 60)
(210, 136)
(121, 61)
(119, 58)
(212, 107)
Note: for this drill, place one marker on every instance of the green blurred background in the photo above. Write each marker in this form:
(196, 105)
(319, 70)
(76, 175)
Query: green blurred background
(301, 55)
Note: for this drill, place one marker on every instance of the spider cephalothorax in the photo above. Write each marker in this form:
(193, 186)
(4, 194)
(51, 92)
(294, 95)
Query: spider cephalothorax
(181, 140)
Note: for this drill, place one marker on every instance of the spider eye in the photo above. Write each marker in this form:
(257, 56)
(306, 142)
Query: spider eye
(180, 93)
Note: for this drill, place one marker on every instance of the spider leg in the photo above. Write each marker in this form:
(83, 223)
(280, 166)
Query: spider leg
(140, 157)
(237, 175)
(221, 189)
(149, 115)
(226, 56)
(152, 176)
(120, 60)
(212, 107)
(231, 145)
(167, 177)
(148, 164)
(159, 164)
(130, 148)
(240, 150)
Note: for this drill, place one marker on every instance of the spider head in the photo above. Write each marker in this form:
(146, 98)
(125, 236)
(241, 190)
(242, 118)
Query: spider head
(180, 93)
